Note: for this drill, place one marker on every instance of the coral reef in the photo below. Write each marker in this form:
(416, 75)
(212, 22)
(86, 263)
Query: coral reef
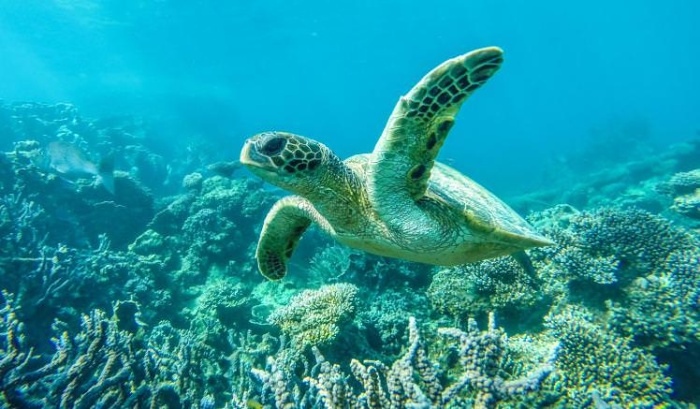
(412, 380)
(476, 289)
(316, 317)
(592, 359)
(103, 366)
(605, 246)
(663, 308)
(684, 188)
(383, 318)
(607, 317)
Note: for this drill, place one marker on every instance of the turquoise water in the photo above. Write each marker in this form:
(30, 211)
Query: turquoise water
(333, 70)
(129, 230)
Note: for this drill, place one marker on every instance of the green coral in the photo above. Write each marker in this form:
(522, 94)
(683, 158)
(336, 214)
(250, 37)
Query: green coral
(593, 360)
(473, 289)
(663, 309)
(639, 239)
(605, 246)
(315, 317)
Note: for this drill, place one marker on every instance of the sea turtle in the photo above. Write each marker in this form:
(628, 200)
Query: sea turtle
(396, 201)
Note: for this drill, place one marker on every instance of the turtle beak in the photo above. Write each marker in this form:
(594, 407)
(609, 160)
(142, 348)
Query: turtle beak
(257, 163)
(245, 153)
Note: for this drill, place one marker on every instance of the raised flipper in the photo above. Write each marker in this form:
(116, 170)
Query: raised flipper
(284, 225)
(420, 122)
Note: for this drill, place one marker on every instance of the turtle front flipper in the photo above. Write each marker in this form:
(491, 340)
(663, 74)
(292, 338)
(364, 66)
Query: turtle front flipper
(420, 122)
(283, 227)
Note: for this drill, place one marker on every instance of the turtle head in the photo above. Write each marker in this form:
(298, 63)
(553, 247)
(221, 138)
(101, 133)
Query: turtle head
(286, 160)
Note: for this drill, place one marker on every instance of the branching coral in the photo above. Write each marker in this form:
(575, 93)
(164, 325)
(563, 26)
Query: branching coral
(103, 366)
(383, 318)
(663, 308)
(605, 246)
(639, 239)
(481, 354)
(91, 369)
(593, 359)
(653, 262)
(411, 381)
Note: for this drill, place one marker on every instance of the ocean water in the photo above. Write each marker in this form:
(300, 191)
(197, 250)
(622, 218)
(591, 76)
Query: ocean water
(334, 70)
(590, 130)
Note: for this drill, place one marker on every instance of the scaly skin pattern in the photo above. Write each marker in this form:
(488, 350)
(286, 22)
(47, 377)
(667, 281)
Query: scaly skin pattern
(396, 201)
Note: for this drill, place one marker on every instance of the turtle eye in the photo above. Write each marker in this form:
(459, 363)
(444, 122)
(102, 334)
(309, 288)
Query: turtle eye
(273, 146)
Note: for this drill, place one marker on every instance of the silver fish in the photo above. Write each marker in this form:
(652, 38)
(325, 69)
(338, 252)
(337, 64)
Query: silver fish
(72, 162)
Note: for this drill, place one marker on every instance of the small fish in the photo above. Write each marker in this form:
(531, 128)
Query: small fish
(70, 161)
(253, 404)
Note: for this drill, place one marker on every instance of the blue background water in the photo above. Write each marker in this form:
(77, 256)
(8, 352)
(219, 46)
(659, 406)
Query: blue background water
(333, 70)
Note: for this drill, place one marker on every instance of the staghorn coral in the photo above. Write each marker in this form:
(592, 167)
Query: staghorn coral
(103, 366)
(180, 370)
(411, 381)
(481, 357)
(89, 370)
(592, 360)
(315, 317)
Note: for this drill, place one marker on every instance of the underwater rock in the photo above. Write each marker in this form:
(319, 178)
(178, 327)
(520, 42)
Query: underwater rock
(682, 183)
(688, 205)
(121, 217)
